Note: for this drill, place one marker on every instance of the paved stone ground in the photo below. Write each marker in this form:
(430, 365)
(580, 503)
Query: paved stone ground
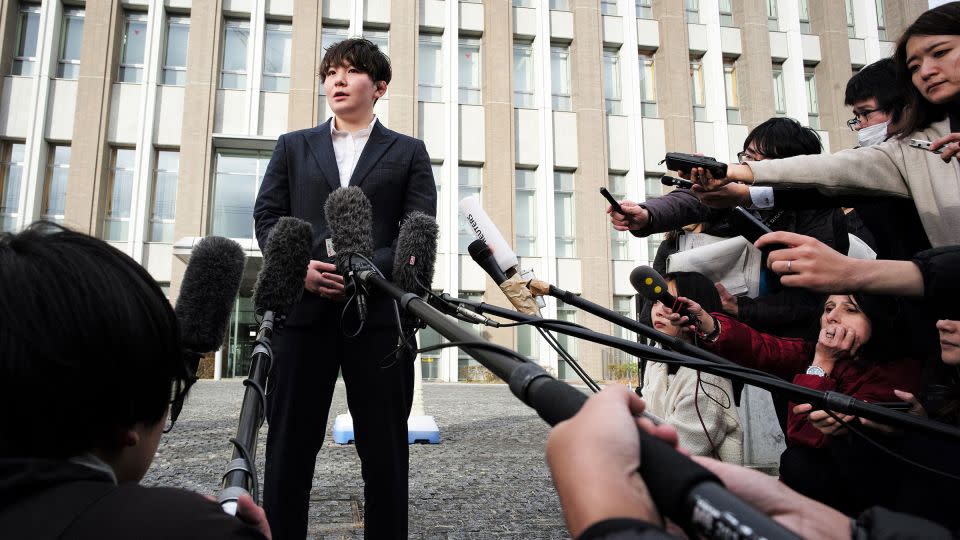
(487, 478)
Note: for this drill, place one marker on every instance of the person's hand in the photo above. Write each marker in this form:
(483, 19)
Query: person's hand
(699, 319)
(636, 216)
(835, 344)
(704, 181)
(253, 515)
(727, 300)
(805, 517)
(949, 146)
(822, 420)
(323, 279)
(726, 196)
(594, 459)
(809, 263)
(916, 409)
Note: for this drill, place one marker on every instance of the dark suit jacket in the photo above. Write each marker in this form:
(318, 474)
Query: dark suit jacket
(393, 172)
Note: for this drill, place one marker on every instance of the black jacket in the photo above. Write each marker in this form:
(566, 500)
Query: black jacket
(42, 499)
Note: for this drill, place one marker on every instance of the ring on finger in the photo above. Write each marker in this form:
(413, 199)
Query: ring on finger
(789, 264)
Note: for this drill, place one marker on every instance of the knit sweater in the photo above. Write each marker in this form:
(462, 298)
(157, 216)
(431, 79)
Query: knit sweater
(676, 398)
(890, 168)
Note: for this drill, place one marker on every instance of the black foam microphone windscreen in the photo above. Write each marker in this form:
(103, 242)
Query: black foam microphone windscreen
(208, 292)
(416, 253)
(350, 218)
(285, 258)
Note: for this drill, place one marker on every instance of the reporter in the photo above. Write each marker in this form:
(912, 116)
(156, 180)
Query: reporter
(93, 365)
(928, 63)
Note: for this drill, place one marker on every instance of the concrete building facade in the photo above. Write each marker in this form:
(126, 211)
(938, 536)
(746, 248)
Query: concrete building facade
(149, 123)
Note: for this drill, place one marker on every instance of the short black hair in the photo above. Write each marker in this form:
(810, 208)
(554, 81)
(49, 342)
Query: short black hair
(782, 137)
(89, 344)
(360, 53)
(878, 80)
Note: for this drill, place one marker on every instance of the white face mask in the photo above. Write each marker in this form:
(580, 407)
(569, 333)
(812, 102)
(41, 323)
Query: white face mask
(872, 135)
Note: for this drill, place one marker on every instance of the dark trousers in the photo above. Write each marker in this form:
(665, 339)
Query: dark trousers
(302, 383)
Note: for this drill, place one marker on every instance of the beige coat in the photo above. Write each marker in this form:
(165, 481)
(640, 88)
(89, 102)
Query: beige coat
(672, 398)
(890, 168)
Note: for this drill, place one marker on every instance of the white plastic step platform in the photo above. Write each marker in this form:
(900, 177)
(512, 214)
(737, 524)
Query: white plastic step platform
(421, 429)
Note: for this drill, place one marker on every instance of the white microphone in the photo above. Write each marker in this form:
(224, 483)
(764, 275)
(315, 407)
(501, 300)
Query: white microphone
(485, 230)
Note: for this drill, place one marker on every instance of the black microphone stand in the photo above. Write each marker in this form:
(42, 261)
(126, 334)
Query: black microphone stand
(240, 477)
(829, 400)
(684, 491)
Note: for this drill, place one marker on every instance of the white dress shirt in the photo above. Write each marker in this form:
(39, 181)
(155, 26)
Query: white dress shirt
(347, 148)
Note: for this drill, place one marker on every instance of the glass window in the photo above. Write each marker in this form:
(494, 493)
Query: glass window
(560, 5)
(527, 342)
(611, 81)
(563, 214)
(71, 36)
(276, 58)
(11, 178)
(164, 205)
(644, 9)
(608, 7)
(430, 361)
(813, 108)
(25, 59)
(726, 12)
(560, 78)
(134, 47)
(524, 3)
(237, 180)
(116, 219)
(175, 52)
(648, 87)
(526, 217)
(804, 17)
(851, 29)
(619, 240)
(523, 75)
(624, 306)
(431, 68)
(380, 38)
(653, 244)
(328, 36)
(773, 22)
(779, 92)
(55, 186)
(470, 181)
(692, 11)
(469, 75)
(566, 313)
(697, 91)
(652, 187)
(233, 74)
(732, 95)
(469, 369)
(881, 21)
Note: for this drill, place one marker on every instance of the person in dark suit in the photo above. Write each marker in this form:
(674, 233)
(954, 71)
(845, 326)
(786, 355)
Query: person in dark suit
(393, 171)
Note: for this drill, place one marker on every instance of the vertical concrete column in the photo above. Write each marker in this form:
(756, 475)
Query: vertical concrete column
(754, 67)
(498, 139)
(304, 80)
(900, 14)
(672, 62)
(593, 229)
(195, 185)
(829, 20)
(404, 30)
(90, 154)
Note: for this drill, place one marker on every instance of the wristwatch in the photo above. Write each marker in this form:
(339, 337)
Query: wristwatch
(816, 370)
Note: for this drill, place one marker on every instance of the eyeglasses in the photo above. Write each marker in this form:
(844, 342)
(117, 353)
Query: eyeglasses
(748, 155)
(858, 118)
(178, 393)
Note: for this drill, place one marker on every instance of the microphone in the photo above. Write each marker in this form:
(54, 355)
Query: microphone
(485, 230)
(350, 217)
(483, 256)
(415, 256)
(651, 285)
(279, 286)
(285, 258)
(207, 295)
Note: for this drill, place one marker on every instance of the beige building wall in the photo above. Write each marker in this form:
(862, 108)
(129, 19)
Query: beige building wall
(404, 25)
(754, 67)
(304, 65)
(829, 20)
(672, 62)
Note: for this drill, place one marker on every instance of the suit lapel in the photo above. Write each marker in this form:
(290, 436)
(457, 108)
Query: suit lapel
(322, 147)
(380, 140)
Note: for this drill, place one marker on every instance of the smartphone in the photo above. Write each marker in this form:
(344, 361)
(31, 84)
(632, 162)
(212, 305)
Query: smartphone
(613, 202)
(747, 224)
(679, 182)
(894, 405)
(923, 145)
